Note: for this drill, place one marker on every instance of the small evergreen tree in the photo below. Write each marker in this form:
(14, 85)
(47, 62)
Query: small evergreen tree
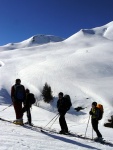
(47, 93)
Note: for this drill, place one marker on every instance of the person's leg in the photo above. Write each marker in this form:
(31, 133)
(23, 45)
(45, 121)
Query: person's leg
(63, 123)
(29, 116)
(18, 112)
(95, 127)
(18, 109)
(24, 109)
(15, 108)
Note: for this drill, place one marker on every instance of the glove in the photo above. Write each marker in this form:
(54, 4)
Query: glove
(91, 113)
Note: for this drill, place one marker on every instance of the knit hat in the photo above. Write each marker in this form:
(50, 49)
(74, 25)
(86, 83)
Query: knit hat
(94, 103)
(27, 90)
(17, 81)
(60, 94)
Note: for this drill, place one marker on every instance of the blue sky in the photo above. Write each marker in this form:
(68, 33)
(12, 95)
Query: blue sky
(21, 19)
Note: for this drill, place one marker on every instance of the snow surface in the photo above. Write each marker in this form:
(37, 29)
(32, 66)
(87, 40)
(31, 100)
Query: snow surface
(81, 66)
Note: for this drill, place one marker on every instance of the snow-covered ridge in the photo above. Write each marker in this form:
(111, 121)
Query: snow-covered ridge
(105, 31)
(33, 41)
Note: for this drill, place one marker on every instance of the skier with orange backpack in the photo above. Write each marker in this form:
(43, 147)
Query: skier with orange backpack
(96, 113)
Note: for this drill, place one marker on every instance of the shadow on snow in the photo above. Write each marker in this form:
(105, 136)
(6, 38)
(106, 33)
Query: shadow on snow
(69, 141)
(4, 97)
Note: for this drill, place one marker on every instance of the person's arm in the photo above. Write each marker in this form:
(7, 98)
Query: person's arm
(59, 106)
(24, 92)
(91, 113)
(12, 93)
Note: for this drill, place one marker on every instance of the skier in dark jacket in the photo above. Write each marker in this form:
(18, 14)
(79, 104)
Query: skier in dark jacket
(94, 112)
(63, 107)
(27, 106)
(18, 96)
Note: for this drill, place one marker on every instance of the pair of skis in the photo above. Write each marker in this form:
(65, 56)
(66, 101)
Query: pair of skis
(104, 142)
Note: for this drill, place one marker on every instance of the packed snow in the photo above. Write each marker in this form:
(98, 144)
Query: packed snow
(81, 66)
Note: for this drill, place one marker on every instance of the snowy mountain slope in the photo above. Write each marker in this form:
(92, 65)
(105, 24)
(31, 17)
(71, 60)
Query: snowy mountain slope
(81, 66)
(33, 41)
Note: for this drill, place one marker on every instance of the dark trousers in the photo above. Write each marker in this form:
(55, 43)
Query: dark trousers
(95, 127)
(62, 122)
(27, 109)
(18, 109)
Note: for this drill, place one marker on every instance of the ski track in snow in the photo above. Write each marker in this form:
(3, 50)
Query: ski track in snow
(21, 138)
(18, 137)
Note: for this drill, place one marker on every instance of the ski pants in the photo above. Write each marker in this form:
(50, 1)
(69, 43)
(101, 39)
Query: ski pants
(62, 122)
(95, 127)
(18, 109)
(27, 109)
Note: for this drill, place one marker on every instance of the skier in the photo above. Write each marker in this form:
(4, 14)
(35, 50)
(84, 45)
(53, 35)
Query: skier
(27, 105)
(18, 96)
(94, 112)
(63, 107)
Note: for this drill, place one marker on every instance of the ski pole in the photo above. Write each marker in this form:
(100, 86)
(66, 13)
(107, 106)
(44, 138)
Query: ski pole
(54, 121)
(51, 119)
(92, 133)
(87, 126)
(6, 107)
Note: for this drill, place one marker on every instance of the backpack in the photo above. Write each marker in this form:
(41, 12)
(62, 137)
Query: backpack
(19, 93)
(101, 111)
(68, 101)
(31, 98)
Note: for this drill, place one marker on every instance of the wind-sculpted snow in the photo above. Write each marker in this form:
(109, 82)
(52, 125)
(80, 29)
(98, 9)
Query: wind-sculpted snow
(88, 31)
